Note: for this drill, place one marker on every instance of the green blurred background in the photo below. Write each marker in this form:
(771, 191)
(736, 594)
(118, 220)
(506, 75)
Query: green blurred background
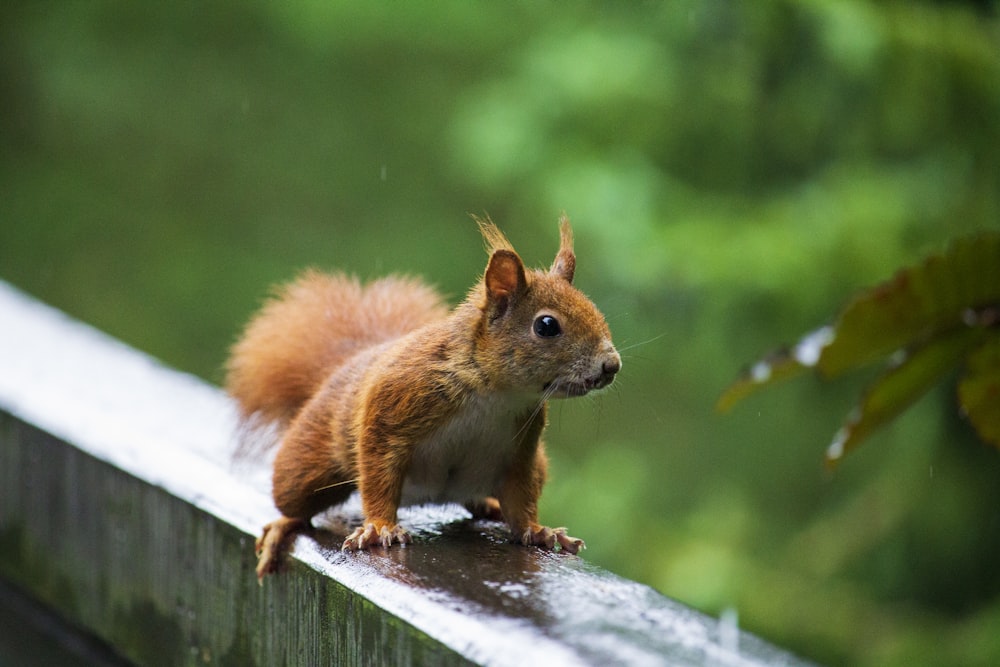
(734, 172)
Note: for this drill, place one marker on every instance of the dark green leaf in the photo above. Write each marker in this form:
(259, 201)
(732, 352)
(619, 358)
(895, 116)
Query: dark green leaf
(781, 365)
(900, 386)
(935, 296)
(979, 390)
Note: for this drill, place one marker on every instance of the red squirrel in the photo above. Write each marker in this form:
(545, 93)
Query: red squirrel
(379, 387)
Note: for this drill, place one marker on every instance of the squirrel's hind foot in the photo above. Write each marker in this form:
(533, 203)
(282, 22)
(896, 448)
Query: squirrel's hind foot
(487, 508)
(371, 534)
(272, 545)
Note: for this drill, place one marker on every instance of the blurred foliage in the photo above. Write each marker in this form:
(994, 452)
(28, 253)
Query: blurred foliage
(927, 319)
(733, 171)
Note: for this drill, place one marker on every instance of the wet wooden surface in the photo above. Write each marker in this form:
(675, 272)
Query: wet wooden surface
(120, 509)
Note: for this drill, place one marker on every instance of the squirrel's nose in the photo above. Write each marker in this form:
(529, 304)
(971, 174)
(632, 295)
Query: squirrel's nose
(611, 364)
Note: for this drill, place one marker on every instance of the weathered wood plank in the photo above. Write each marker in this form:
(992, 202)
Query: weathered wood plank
(119, 508)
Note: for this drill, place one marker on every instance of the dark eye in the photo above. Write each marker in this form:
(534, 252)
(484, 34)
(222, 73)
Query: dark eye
(547, 326)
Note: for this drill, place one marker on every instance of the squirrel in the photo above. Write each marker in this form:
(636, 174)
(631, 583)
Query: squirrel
(379, 387)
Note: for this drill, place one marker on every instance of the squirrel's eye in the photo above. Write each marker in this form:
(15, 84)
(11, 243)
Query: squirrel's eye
(547, 326)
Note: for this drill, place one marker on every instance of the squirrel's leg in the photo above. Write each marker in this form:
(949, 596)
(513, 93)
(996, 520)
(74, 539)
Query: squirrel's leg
(381, 485)
(519, 500)
(306, 481)
(297, 509)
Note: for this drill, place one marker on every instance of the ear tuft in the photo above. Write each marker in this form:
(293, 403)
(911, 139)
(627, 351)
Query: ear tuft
(495, 239)
(564, 264)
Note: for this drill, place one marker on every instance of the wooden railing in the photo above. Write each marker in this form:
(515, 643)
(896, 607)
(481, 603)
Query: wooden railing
(121, 514)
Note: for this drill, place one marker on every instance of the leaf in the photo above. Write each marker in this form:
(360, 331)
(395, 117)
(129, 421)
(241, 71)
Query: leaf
(916, 304)
(900, 386)
(979, 390)
(776, 367)
(925, 319)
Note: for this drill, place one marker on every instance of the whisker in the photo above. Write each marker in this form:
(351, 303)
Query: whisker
(336, 484)
(546, 395)
(645, 342)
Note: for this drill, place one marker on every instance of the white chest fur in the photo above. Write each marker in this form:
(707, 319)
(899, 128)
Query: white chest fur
(466, 458)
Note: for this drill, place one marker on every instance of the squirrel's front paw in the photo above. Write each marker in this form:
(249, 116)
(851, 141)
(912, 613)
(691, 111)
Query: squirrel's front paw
(546, 538)
(372, 535)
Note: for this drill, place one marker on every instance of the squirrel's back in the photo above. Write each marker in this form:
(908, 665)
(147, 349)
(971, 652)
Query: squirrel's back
(309, 328)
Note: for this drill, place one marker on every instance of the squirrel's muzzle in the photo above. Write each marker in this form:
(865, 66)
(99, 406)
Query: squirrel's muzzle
(610, 365)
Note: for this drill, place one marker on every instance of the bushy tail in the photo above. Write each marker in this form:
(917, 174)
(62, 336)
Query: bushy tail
(309, 328)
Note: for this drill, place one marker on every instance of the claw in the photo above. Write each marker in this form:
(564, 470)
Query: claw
(571, 544)
(271, 546)
(369, 535)
(546, 538)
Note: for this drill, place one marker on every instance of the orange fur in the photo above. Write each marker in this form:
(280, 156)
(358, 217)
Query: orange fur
(379, 387)
(312, 326)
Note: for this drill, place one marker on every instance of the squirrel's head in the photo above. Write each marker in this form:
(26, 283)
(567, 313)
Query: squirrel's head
(538, 333)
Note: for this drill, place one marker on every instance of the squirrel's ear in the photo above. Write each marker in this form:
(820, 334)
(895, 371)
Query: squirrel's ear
(564, 264)
(504, 280)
